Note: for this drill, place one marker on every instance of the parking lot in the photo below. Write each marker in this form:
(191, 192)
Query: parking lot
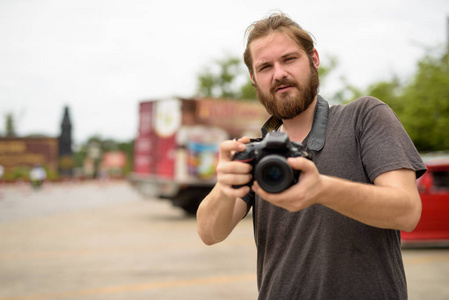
(102, 241)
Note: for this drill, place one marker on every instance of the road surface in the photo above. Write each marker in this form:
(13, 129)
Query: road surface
(102, 241)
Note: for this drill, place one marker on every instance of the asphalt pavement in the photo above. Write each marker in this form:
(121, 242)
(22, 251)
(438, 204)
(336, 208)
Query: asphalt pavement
(101, 240)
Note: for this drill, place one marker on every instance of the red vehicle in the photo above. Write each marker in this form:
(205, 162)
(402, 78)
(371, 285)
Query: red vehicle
(433, 186)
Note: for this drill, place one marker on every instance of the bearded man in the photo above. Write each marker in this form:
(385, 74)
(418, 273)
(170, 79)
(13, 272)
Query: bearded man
(335, 234)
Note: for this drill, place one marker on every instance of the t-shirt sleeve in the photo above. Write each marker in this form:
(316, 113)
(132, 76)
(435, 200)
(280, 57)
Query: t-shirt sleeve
(385, 145)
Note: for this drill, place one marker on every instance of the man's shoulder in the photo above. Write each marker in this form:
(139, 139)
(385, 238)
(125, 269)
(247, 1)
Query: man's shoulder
(359, 106)
(365, 102)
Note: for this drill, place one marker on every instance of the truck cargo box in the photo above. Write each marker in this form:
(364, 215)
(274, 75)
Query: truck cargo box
(176, 149)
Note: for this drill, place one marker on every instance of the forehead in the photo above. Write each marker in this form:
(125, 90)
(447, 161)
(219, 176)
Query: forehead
(273, 45)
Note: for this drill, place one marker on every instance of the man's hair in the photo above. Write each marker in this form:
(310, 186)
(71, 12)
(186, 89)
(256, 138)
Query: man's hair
(281, 23)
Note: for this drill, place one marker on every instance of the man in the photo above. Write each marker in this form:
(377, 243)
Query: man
(336, 233)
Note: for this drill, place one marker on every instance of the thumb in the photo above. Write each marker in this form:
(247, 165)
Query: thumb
(301, 163)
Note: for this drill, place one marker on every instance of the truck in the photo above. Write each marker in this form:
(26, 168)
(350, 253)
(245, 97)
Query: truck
(177, 145)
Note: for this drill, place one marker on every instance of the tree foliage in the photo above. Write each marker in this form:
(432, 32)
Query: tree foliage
(425, 105)
(421, 103)
(327, 67)
(95, 146)
(225, 78)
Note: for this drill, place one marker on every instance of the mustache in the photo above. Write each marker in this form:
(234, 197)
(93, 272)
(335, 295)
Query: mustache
(283, 82)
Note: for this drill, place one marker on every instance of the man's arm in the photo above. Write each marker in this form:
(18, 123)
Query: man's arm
(217, 216)
(393, 201)
(222, 209)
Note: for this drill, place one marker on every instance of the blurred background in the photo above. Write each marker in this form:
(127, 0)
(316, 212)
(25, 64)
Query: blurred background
(106, 103)
(101, 58)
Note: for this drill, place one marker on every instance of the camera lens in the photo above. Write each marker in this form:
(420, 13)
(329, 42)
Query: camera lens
(274, 174)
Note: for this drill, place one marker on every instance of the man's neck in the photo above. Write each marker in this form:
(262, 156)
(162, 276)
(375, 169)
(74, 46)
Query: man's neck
(299, 127)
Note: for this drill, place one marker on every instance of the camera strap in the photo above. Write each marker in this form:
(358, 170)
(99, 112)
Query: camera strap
(317, 136)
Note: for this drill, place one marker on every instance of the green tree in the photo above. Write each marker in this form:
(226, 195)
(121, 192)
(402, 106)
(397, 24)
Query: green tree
(425, 111)
(348, 93)
(327, 67)
(247, 91)
(223, 79)
(391, 91)
(128, 148)
(421, 103)
(95, 146)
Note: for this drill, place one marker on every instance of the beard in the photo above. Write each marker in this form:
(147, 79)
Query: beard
(286, 106)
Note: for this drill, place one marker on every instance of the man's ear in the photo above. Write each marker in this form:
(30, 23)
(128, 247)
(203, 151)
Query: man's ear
(252, 78)
(315, 58)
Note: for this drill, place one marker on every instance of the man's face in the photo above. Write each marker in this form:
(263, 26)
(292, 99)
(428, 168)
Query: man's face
(286, 80)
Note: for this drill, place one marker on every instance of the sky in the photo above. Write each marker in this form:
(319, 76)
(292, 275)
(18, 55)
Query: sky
(101, 58)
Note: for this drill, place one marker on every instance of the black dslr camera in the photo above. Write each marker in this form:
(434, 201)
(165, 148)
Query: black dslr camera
(268, 156)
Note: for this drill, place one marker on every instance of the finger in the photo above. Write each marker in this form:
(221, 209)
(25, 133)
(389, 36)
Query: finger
(228, 147)
(233, 167)
(232, 179)
(261, 192)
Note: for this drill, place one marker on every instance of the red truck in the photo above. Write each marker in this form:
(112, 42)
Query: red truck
(176, 149)
(433, 186)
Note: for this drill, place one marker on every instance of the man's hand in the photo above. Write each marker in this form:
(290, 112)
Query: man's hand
(231, 172)
(301, 195)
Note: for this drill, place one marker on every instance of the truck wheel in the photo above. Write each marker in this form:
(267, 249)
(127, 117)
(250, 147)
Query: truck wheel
(189, 199)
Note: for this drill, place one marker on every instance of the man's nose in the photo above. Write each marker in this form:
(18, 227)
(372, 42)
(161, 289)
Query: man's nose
(279, 72)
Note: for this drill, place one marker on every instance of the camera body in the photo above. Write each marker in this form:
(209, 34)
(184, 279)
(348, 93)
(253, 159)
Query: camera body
(268, 156)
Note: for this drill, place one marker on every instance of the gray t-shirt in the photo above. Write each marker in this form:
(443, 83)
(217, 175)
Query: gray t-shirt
(318, 253)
